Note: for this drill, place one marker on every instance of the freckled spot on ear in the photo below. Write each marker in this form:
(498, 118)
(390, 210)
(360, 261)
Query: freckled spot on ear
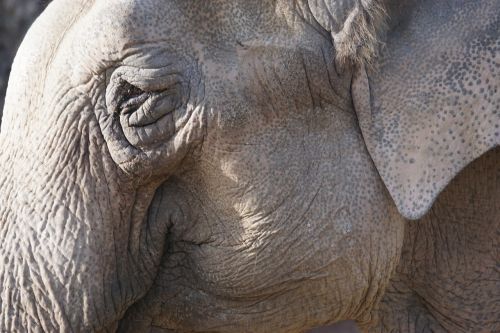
(434, 105)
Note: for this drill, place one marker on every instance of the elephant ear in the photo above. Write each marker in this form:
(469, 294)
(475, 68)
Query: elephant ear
(433, 105)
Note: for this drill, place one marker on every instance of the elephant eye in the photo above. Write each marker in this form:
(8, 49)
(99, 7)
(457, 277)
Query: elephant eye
(143, 104)
(138, 107)
(130, 97)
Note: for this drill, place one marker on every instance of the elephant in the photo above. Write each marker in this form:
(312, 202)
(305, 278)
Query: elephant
(253, 166)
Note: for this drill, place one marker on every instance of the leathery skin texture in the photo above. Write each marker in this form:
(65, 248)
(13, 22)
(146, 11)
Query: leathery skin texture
(239, 166)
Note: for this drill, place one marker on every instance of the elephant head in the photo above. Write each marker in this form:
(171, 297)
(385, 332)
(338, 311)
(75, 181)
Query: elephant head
(231, 166)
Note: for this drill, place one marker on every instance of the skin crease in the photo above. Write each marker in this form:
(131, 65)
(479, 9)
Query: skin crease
(244, 195)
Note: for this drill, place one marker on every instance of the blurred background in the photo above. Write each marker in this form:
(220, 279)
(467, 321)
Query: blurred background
(16, 17)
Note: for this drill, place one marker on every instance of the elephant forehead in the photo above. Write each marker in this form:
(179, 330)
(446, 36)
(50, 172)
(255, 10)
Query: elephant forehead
(147, 33)
(154, 33)
(118, 24)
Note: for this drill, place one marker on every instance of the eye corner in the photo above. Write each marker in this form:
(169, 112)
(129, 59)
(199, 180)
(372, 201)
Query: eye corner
(130, 90)
(122, 94)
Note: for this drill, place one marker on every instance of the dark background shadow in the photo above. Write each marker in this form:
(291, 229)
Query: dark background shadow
(16, 17)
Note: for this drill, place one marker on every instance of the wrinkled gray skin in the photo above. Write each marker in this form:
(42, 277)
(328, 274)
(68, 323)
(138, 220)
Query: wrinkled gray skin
(247, 166)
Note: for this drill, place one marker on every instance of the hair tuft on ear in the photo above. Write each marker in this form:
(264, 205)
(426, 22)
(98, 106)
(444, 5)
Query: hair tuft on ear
(356, 28)
(358, 42)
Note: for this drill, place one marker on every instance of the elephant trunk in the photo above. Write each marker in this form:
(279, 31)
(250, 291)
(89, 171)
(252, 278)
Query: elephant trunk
(73, 242)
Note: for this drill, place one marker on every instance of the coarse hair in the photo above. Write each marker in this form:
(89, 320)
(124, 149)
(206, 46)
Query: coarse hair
(359, 40)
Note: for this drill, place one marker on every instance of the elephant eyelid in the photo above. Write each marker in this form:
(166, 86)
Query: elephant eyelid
(131, 91)
(129, 97)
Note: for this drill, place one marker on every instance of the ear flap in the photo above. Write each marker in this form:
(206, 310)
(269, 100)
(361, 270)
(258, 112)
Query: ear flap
(434, 104)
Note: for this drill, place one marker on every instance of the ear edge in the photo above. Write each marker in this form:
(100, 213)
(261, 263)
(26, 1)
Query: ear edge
(414, 189)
